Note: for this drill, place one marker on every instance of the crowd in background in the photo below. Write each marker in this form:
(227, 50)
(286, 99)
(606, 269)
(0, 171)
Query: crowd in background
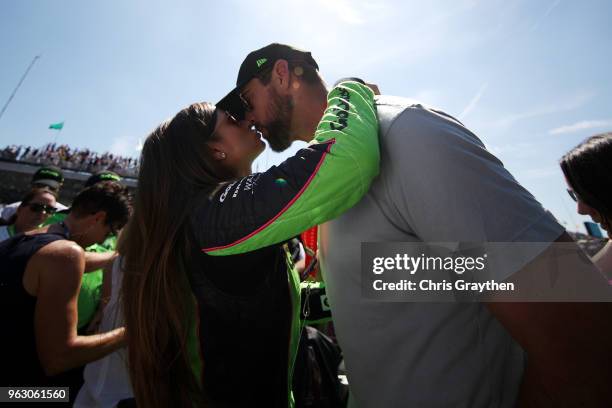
(72, 158)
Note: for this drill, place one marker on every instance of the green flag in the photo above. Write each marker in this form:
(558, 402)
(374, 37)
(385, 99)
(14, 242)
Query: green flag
(57, 126)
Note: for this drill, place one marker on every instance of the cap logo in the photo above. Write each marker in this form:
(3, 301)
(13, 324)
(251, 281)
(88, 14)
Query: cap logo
(261, 61)
(109, 177)
(45, 172)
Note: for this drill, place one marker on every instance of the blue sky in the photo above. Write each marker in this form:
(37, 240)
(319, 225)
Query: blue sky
(530, 77)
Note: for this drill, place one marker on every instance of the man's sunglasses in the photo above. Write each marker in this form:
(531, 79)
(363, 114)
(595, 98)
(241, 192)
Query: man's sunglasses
(241, 105)
(245, 105)
(238, 107)
(39, 208)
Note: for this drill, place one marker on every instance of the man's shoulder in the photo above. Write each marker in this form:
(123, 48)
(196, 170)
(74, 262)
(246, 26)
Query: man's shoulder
(405, 122)
(8, 210)
(397, 113)
(389, 107)
(60, 251)
(56, 267)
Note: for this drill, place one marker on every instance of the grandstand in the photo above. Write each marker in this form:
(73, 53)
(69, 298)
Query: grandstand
(15, 178)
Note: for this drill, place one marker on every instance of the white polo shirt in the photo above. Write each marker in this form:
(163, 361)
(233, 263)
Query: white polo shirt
(437, 183)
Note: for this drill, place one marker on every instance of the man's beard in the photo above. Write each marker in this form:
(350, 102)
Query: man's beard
(279, 128)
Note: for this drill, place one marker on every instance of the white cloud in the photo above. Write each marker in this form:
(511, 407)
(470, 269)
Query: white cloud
(582, 125)
(123, 146)
(515, 150)
(426, 26)
(429, 97)
(577, 101)
(344, 10)
(539, 173)
(474, 101)
(549, 10)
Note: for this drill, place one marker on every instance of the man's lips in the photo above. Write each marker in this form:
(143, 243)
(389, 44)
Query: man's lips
(257, 132)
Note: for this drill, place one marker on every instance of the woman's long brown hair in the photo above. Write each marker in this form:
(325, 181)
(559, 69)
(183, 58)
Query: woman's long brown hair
(175, 165)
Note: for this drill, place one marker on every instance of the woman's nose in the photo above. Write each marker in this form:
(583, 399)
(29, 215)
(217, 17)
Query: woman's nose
(583, 209)
(245, 124)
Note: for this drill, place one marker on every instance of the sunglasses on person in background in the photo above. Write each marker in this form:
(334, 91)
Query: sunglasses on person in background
(38, 208)
(572, 194)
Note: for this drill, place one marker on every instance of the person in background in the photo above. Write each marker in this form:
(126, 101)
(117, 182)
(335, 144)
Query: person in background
(50, 177)
(39, 284)
(588, 173)
(34, 208)
(91, 284)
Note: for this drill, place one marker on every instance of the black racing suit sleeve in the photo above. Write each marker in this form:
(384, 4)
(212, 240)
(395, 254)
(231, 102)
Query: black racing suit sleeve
(320, 182)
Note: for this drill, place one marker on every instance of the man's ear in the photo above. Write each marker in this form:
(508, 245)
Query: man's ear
(281, 74)
(100, 217)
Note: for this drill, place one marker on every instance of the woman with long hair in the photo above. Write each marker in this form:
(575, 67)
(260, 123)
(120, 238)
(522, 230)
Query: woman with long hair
(210, 295)
(588, 172)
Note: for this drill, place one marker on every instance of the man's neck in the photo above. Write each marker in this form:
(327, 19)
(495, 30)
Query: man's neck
(69, 223)
(18, 228)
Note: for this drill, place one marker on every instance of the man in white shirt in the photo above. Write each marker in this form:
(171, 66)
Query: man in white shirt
(438, 183)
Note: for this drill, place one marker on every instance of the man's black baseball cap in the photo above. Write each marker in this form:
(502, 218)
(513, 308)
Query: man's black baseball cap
(104, 175)
(256, 63)
(50, 176)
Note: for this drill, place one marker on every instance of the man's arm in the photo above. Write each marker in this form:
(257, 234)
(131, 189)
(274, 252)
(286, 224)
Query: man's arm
(98, 260)
(603, 260)
(317, 184)
(59, 267)
(567, 344)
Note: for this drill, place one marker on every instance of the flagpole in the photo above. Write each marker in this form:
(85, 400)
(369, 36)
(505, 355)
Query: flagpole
(18, 85)
(56, 135)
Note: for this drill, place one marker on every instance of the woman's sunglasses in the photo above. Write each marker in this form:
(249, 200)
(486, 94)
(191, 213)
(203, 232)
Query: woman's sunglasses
(572, 194)
(38, 208)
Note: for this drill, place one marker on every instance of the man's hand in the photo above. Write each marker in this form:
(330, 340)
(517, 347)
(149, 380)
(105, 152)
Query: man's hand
(374, 88)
